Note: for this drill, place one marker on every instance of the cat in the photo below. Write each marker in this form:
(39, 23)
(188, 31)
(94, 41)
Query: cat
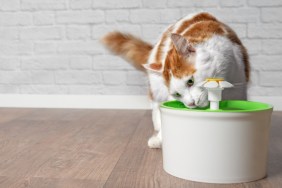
(196, 47)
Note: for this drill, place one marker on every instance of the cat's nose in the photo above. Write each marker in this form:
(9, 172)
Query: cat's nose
(188, 101)
(192, 104)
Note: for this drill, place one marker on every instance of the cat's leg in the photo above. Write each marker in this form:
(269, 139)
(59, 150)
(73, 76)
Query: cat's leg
(156, 116)
(156, 140)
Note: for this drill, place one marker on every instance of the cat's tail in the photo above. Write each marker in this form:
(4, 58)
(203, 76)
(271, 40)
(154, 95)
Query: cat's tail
(131, 48)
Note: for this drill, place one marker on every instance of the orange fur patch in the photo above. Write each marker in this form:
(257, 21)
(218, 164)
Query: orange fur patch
(166, 71)
(129, 47)
(196, 18)
(161, 44)
(177, 65)
(202, 31)
(185, 25)
(156, 66)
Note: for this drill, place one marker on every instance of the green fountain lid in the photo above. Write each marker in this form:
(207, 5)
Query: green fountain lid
(224, 106)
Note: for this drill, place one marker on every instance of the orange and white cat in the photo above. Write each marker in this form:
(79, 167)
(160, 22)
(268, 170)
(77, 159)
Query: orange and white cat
(196, 47)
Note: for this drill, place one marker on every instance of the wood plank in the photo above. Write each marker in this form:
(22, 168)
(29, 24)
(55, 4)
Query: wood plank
(25, 140)
(136, 166)
(97, 148)
(83, 148)
(37, 182)
(9, 114)
(92, 152)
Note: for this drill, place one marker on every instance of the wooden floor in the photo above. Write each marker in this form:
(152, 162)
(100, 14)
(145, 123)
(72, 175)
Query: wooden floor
(96, 148)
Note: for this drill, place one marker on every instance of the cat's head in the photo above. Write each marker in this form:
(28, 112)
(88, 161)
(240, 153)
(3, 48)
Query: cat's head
(180, 73)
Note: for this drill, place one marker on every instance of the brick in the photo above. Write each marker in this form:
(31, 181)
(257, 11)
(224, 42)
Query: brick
(253, 46)
(266, 63)
(264, 30)
(9, 63)
(130, 28)
(110, 62)
(14, 18)
(45, 48)
(85, 47)
(78, 32)
(240, 29)
(200, 3)
(9, 5)
(186, 11)
(80, 17)
(44, 89)
(80, 4)
(136, 78)
(114, 77)
(271, 14)
(264, 3)
(272, 46)
(43, 4)
(9, 33)
(121, 90)
(117, 16)
(8, 89)
(97, 89)
(41, 33)
(85, 89)
(42, 77)
(169, 15)
(44, 18)
(270, 78)
(254, 78)
(154, 4)
(236, 15)
(180, 3)
(232, 3)
(45, 63)
(145, 16)
(256, 91)
(15, 77)
(109, 4)
(15, 48)
(264, 91)
(71, 60)
(99, 31)
(81, 62)
(78, 77)
(152, 31)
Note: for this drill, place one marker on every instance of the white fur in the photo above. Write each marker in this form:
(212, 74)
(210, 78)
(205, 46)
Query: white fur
(216, 57)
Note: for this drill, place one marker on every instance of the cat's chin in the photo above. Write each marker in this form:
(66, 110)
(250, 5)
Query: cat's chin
(191, 107)
(198, 104)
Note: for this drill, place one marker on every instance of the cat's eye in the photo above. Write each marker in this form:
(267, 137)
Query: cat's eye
(177, 95)
(190, 82)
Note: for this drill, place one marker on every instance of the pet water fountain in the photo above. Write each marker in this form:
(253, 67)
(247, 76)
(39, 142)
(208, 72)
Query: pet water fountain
(224, 143)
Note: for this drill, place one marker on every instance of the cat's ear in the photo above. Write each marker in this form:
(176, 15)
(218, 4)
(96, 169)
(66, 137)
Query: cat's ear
(182, 46)
(154, 67)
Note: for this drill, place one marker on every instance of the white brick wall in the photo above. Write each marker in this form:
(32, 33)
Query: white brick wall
(52, 46)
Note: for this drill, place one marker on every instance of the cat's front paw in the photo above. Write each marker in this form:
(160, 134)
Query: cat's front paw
(155, 142)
